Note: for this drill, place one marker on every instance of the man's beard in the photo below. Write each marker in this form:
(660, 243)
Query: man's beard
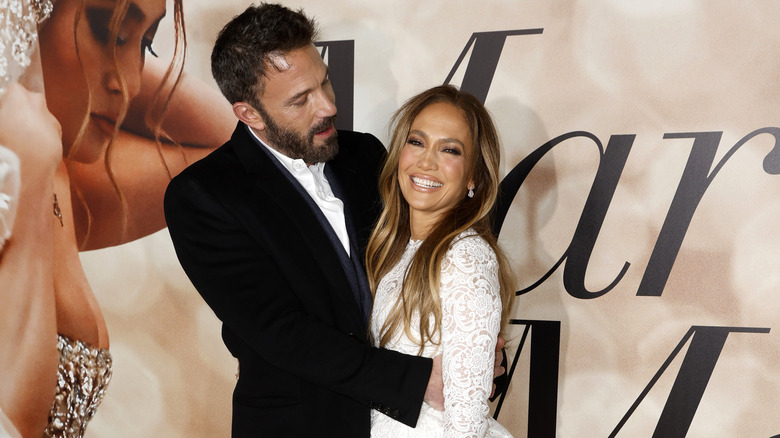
(295, 146)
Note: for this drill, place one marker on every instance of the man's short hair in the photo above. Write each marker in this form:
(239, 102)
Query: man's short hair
(247, 45)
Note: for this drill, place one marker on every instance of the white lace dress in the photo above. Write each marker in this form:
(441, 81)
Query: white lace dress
(471, 318)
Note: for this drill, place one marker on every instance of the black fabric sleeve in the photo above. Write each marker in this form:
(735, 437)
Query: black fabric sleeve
(242, 283)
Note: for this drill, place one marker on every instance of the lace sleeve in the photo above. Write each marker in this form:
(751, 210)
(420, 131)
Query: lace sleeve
(471, 318)
(9, 192)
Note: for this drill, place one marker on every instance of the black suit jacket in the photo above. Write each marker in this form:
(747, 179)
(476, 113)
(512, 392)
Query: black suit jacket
(258, 256)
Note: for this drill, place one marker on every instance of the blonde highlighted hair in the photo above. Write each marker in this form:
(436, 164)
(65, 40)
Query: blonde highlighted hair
(420, 290)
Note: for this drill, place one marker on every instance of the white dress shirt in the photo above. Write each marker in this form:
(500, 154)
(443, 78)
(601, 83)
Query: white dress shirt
(312, 179)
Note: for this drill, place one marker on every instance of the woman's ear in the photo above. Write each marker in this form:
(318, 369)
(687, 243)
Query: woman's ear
(247, 114)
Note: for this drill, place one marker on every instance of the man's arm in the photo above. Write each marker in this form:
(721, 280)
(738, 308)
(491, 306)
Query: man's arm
(242, 283)
(500, 378)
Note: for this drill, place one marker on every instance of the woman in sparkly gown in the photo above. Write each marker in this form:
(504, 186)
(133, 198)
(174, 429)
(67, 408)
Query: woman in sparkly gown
(441, 284)
(91, 176)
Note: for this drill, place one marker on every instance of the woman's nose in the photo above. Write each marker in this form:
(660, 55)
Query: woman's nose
(427, 159)
(126, 76)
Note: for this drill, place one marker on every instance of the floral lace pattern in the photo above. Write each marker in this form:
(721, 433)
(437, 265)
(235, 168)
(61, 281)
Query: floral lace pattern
(471, 319)
(18, 34)
(82, 379)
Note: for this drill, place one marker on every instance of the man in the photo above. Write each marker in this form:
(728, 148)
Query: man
(276, 255)
(273, 240)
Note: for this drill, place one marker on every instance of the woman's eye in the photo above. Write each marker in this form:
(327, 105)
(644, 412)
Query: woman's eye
(414, 142)
(99, 20)
(453, 151)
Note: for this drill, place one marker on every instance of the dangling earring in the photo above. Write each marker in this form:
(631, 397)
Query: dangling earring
(471, 192)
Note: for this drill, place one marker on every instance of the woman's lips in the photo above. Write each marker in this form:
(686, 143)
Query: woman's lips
(106, 124)
(425, 183)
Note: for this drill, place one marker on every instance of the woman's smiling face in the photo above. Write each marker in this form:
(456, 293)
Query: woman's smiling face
(86, 70)
(432, 167)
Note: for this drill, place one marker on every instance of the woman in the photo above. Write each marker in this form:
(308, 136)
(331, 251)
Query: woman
(101, 184)
(31, 138)
(441, 284)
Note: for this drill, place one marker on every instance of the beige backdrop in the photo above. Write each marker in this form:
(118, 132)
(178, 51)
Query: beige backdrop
(607, 67)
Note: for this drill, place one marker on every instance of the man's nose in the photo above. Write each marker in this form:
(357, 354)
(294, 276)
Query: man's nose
(326, 106)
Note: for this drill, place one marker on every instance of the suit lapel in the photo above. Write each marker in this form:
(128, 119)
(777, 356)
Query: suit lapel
(273, 189)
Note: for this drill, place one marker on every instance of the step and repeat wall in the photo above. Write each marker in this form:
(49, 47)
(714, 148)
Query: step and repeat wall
(639, 207)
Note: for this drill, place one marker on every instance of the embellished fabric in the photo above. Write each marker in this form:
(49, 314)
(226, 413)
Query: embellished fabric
(9, 192)
(18, 34)
(82, 378)
(471, 319)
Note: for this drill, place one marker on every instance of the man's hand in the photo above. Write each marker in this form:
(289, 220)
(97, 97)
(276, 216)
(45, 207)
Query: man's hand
(498, 370)
(434, 393)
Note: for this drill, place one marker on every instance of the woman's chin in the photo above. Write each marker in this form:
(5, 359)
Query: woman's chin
(89, 147)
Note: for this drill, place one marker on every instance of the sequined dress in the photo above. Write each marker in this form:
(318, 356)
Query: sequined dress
(82, 377)
(471, 319)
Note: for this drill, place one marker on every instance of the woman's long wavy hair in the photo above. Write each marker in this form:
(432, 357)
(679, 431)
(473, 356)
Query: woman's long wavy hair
(155, 111)
(420, 290)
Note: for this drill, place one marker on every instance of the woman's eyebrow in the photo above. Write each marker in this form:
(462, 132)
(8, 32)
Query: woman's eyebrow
(135, 13)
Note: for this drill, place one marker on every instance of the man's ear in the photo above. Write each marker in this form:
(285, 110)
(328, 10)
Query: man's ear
(247, 114)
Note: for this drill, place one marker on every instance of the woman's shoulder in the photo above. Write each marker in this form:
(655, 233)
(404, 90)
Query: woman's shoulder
(470, 265)
(471, 245)
(469, 239)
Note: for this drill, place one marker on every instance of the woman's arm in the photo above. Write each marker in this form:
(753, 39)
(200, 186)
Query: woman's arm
(28, 359)
(198, 118)
(471, 318)
(29, 137)
(197, 115)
